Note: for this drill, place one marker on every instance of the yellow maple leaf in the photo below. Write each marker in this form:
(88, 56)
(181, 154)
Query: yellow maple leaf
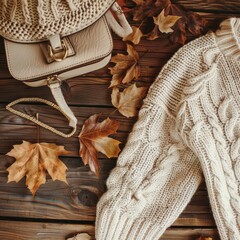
(129, 101)
(165, 22)
(33, 161)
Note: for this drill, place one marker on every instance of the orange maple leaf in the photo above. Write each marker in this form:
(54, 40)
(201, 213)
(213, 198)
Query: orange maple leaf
(129, 101)
(126, 68)
(94, 138)
(33, 161)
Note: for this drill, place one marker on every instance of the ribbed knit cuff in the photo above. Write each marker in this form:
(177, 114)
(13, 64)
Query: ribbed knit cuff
(114, 225)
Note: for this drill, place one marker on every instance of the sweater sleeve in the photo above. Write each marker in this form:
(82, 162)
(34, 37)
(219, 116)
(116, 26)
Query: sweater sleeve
(156, 173)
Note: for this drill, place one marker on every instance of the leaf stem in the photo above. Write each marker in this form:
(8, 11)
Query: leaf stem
(141, 23)
(113, 112)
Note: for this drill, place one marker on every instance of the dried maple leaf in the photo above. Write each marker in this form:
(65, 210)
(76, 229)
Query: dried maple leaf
(165, 23)
(187, 21)
(135, 36)
(147, 8)
(34, 160)
(190, 21)
(139, 2)
(179, 34)
(195, 23)
(126, 68)
(94, 138)
(143, 10)
(81, 236)
(129, 101)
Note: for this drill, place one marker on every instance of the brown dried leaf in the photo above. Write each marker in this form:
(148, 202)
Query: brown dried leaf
(129, 101)
(126, 68)
(33, 161)
(121, 3)
(179, 35)
(178, 27)
(94, 138)
(190, 21)
(135, 36)
(195, 23)
(81, 236)
(154, 34)
(139, 2)
(143, 10)
(147, 8)
(165, 23)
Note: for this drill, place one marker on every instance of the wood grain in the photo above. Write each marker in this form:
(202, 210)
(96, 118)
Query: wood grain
(76, 202)
(223, 6)
(10, 230)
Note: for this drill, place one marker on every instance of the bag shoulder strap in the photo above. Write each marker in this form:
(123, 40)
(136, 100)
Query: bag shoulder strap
(122, 28)
(55, 87)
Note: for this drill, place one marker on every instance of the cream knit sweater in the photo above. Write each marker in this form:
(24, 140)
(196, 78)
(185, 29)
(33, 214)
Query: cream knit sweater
(189, 126)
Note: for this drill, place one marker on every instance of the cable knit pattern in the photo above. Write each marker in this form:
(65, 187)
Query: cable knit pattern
(34, 20)
(188, 127)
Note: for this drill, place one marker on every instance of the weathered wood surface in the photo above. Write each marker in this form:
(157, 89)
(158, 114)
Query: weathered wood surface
(223, 6)
(10, 230)
(74, 204)
(76, 201)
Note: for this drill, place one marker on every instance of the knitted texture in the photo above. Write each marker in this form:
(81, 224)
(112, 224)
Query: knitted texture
(34, 20)
(188, 127)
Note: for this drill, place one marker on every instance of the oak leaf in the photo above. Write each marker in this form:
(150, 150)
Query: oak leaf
(81, 236)
(126, 68)
(94, 138)
(135, 36)
(129, 101)
(33, 161)
(165, 23)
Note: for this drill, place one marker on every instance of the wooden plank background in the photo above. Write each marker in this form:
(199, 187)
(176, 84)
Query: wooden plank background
(58, 210)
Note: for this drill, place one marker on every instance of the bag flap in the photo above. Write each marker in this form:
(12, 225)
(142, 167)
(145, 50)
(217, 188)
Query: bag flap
(27, 61)
(32, 21)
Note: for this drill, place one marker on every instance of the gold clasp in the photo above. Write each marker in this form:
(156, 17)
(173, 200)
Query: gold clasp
(59, 54)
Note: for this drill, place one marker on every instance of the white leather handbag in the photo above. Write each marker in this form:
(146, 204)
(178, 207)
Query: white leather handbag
(47, 42)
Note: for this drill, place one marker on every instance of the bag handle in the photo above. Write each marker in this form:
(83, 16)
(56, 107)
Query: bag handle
(55, 87)
(122, 28)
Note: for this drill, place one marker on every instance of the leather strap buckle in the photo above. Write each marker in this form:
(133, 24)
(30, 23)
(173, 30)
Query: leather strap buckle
(53, 80)
(60, 54)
